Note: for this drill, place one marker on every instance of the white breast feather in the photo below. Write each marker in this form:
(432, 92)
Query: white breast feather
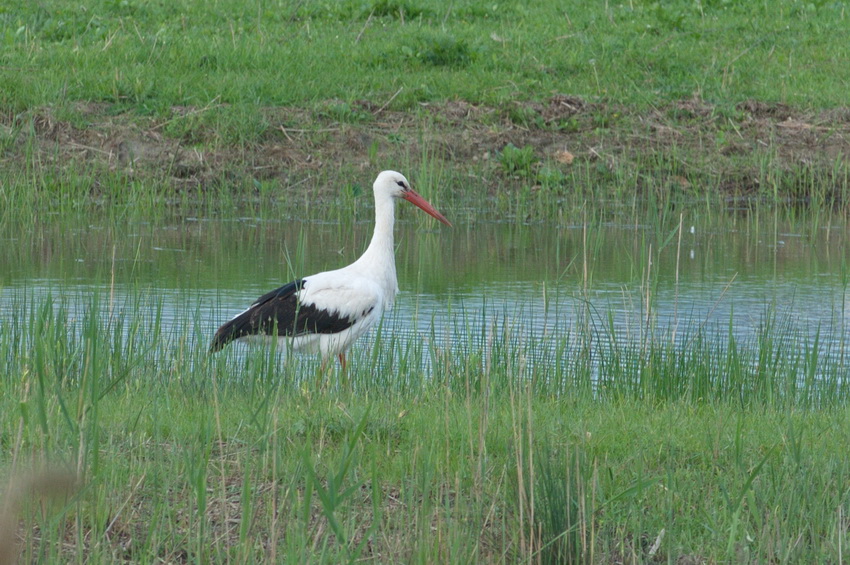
(350, 297)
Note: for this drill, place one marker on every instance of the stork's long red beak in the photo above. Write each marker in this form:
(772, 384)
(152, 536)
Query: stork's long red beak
(413, 197)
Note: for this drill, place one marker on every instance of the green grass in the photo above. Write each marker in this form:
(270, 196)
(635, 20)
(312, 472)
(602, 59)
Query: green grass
(489, 455)
(150, 56)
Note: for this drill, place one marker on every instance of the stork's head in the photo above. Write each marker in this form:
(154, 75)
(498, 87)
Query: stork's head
(394, 185)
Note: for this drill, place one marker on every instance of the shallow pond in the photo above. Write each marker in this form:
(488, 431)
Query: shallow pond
(635, 282)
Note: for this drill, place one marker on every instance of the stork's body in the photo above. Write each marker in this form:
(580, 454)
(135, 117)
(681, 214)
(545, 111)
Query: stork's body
(326, 312)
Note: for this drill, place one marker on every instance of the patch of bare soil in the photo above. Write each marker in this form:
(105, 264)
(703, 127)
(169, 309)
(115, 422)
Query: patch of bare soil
(294, 143)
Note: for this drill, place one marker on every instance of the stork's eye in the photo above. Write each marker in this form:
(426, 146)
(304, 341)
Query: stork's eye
(400, 183)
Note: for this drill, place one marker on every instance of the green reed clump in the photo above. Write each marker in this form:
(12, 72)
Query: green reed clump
(777, 364)
(561, 526)
(475, 351)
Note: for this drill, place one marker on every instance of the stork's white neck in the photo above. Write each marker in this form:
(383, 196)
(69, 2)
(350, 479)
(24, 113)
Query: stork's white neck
(378, 261)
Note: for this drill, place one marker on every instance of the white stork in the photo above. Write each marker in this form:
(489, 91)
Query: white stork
(326, 312)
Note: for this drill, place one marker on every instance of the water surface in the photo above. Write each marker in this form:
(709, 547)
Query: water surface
(543, 280)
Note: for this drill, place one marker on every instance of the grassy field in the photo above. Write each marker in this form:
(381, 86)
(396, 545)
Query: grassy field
(123, 443)
(554, 101)
(150, 56)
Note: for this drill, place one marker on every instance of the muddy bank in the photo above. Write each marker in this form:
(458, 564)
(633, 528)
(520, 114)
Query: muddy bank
(694, 143)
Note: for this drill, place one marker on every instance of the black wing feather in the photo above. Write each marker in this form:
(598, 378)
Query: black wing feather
(279, 313)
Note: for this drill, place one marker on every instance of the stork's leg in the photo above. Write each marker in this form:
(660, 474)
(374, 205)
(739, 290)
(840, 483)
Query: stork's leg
(343, 373)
